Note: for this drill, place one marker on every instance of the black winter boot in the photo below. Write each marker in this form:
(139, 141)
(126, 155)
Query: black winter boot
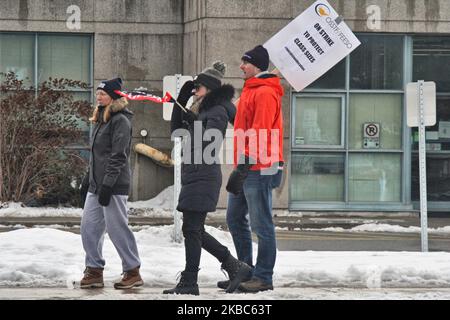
(186, 285)
(238, 272)
(223, 284)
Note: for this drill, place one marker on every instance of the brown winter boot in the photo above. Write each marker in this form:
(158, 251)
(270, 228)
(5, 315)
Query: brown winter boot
(130, 279)
(93, 278)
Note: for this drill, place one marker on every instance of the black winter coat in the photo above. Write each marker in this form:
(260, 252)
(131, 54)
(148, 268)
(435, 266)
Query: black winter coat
(201, 182)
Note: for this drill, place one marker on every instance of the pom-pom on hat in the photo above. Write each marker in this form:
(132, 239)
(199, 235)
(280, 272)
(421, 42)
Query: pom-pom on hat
(212, 77)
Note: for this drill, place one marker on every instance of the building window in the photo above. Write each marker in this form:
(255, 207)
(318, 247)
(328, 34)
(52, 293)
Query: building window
(384, 109)
(333, 79)
(318, 176)
(319, 121)
(334, 159)
(377, 63)
(64, 57)
(431, 62)
(17, 55)
(374, 177)
(35, 57)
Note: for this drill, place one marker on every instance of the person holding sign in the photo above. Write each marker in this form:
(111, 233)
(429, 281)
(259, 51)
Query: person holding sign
(201, 179)
(258, 158)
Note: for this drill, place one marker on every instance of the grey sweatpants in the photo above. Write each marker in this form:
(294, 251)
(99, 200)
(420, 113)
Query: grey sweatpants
(113, 219)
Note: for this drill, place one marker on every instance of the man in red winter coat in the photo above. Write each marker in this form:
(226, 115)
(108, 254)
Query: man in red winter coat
(258, 159)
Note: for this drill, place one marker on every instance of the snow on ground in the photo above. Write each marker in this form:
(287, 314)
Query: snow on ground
(13, 209)
(381, 227)
(44, 257)
(159, 206)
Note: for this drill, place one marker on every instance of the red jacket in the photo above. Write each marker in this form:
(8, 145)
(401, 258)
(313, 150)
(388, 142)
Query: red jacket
(258, 125)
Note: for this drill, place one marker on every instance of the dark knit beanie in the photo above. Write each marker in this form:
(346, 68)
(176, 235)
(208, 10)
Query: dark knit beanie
(212, 77)
(109, 86)
(258, 56)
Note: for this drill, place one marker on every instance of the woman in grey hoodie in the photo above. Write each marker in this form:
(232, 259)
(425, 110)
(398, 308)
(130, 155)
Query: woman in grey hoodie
(105, 190)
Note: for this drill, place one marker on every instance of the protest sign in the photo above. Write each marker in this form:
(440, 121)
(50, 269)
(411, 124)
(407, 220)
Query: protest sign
(311, 45)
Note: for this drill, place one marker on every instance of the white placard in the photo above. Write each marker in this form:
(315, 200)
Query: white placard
(311, 45)
(429, 104)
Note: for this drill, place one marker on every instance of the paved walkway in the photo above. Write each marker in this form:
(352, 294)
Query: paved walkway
(215, 294)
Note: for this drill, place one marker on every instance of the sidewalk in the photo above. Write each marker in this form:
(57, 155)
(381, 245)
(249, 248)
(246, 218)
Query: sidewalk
(152, 293)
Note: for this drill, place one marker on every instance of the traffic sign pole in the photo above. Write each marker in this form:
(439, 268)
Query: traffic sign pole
(421, 112)
(177, 219)
(422, 169)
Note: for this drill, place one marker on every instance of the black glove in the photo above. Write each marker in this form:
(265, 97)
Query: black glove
(189, 117)
(104, 195)
(84, 190)
(185, 92)
(237, 178)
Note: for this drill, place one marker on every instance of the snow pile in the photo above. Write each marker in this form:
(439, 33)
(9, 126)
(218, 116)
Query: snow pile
(382, 227)
(363, 269)
(46, 257)
(164, 200)
(14, 209)
(159, 206)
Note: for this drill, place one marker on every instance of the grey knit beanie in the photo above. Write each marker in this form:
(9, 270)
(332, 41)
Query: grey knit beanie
(212, 77)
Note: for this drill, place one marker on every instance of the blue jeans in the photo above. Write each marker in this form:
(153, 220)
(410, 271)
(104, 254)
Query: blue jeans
(255, 203)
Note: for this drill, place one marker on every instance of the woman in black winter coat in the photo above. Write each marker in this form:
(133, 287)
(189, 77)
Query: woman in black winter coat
(201, 178)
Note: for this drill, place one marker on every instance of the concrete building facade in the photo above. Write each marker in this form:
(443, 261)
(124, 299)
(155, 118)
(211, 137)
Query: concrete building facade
(144, 40)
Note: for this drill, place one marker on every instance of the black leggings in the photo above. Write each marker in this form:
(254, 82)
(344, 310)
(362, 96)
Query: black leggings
(196, 238)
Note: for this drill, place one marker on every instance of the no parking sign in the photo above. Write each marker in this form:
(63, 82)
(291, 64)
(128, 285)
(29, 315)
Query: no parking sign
(371, 132)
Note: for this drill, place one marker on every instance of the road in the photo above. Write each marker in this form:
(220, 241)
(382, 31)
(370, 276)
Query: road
(358, 241)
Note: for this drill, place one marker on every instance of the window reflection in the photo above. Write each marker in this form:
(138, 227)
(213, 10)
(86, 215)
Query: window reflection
(377, 63)
(374, 177)
(431, 61)
(317, 177)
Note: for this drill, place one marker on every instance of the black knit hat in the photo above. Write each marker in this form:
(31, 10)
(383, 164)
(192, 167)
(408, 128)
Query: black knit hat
(109, 86)
(212, 77)
(258, 56)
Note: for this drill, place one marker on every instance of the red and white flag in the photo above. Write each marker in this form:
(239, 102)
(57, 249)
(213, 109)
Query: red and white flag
(141, 95)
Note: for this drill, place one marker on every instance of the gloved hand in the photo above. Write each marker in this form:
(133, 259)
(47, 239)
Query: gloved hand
(237, 178)
(236, 181)
(189, 117)
(84, 190)
(185, 92)
(104, 195)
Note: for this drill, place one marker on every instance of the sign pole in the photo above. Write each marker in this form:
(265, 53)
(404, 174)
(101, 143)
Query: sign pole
(177, 220)
(422, 169)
